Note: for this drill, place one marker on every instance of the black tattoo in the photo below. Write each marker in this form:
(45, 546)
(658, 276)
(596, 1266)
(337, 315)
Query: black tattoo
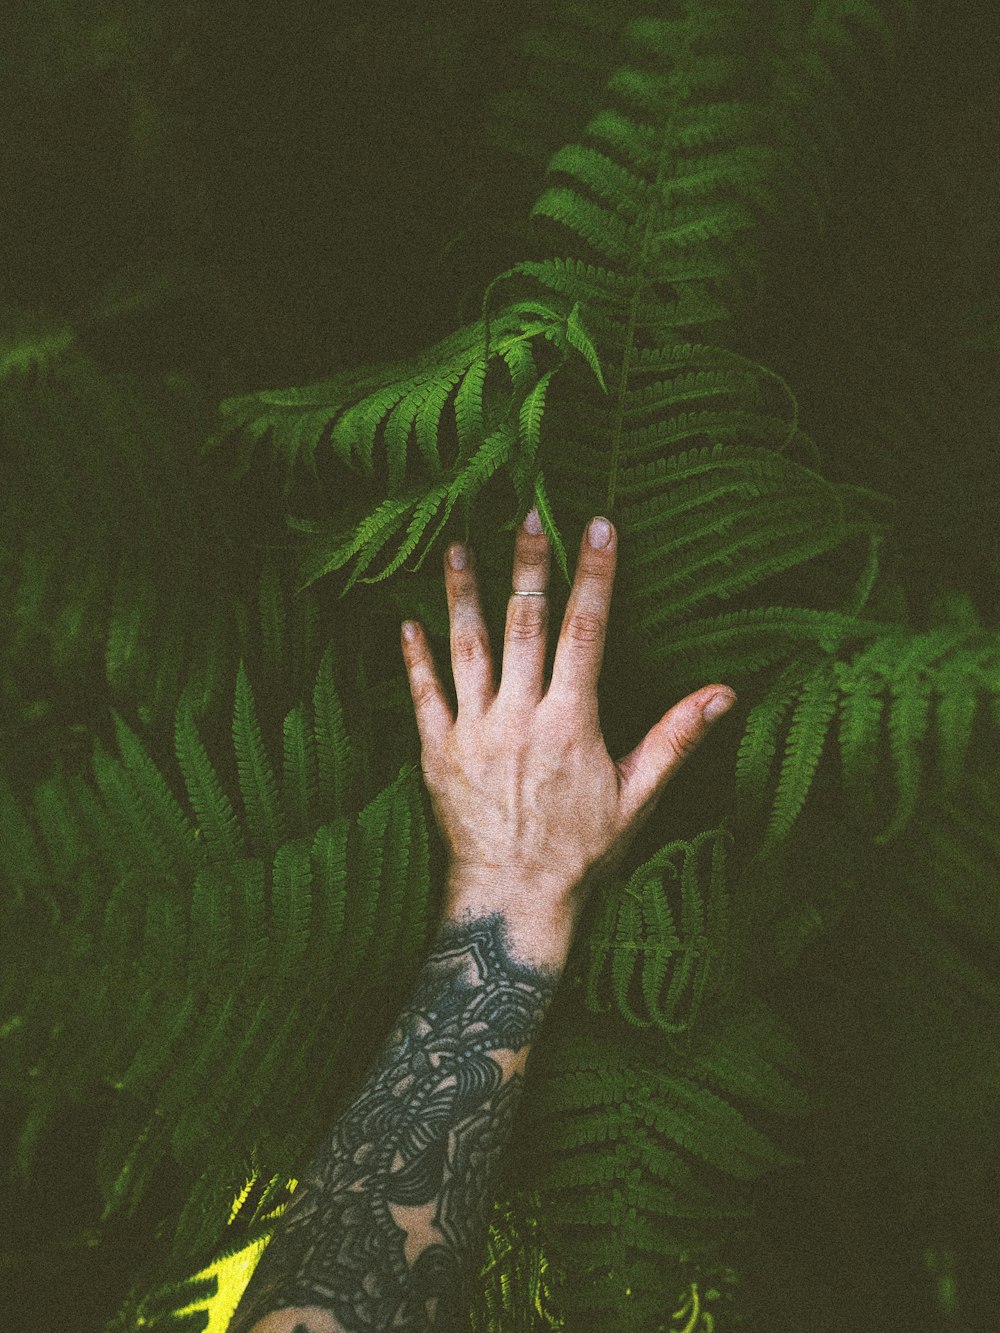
(425, 1132)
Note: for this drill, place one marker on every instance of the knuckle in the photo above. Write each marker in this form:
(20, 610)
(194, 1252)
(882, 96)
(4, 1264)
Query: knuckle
(468, 645)
(681, 743)
(585, 626)
(423, 692)
(530, 556)
(594, 573)
(526, 625)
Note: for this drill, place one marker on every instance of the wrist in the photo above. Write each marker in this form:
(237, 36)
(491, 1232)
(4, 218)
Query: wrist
(539, 922)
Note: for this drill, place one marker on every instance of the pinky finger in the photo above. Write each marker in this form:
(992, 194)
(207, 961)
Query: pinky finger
(432, 710)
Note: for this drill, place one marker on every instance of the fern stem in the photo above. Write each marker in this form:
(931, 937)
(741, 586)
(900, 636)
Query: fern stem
(633, 315)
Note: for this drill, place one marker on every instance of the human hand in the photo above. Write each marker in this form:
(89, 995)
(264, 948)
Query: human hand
(531, 806)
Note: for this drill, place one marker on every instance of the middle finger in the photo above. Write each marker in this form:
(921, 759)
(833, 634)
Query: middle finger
(526, 633)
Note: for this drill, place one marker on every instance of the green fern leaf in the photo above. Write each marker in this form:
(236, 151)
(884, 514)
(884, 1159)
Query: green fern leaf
(955, 714)
(423, 513)
(175, 1082)
(627, 925)
(580, 281)
(163, 953)
(423, 405)
(530, 423)
(233, 1058)
(628, 194)
(287, 1109)
(578, 338)
(24, 350)
(172, 827)
(960, 849)
(494, 451)
(211, 927)
(604, 232)
(66, 846)
(329, 859)
(291, 911)
(860, 713)
(756, 637)
(366, 862)
(549, 526)
(371, 870)
(664, 949)
(755, 1062)
(276, 1055)
(908, 719)
(817, 702)
(301, 776)
(469, 409)
(131, 817)
(133, 1170)
(416, 925)
(173, 1023)
(245, 880)
(909, 714)
(211, 805)
(265, 816)
(757, 747)
(376, 528)
(704, 1124)
(394, 873)
(337, 763)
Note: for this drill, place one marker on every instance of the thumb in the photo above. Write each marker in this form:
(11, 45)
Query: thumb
(647, 769)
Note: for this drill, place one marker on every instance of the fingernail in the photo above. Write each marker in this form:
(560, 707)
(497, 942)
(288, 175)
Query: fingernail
(409, 631)
(456, 556)
(718, 704)
(599, 533)
(532, 522)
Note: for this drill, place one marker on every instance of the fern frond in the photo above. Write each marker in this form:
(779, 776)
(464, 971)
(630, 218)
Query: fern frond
(291, 912)
(860, 713)
(910, 715)
(625, 1144)
(246, 883)
(814, 710)
(211, 927)
(38, 348)
(755, 638)
(907, 667)
(215, 813)
(337, 761)
(960, 848)
(122, 1191)
(639, 931)
(258, 787)
(602, 230)
(759, 1062)
(174, 832)
(530, 423)
(376, 530)
(954, 717)
(329, 854)
(395, 872)
(300, 773)
(354, 406)
(65, 844)
(760, 742)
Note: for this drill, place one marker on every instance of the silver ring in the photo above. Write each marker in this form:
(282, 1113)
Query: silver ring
(515, 593)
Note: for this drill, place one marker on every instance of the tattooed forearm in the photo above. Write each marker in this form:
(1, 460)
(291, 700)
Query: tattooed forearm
(382, 1230)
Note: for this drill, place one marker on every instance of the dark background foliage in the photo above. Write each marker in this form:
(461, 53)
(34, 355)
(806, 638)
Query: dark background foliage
(325, 187)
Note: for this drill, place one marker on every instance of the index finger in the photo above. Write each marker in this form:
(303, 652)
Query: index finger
(580, 651)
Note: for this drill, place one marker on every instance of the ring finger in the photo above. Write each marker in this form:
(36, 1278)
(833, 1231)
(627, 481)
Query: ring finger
(471, 656)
